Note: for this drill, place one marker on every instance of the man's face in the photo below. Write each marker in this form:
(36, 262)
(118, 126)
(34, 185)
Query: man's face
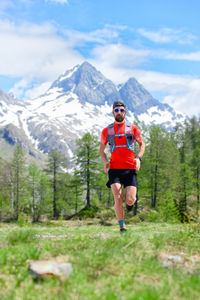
(119, 113)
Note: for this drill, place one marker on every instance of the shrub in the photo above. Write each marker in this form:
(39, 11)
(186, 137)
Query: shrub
(87, 213)
(106, 213)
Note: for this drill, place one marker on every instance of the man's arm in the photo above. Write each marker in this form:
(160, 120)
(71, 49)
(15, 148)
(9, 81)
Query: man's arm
(141, 148)
(140, 153)
(104, 157)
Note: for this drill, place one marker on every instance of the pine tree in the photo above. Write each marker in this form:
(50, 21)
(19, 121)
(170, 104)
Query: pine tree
(159, 175)
(39, 189)
(5, 188)
(45, 203)
(154, 155)
(55, 165)
(33, 184)
(87, 157)
(183, 142)
(17, 180)
(194, 134)
(75, 185)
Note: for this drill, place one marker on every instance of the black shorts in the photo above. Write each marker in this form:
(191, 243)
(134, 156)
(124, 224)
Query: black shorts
(127, 177)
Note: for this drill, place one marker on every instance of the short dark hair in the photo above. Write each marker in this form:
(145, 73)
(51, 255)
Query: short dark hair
(118, 103)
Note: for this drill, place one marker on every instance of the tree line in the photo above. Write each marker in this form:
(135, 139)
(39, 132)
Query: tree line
(169, 179)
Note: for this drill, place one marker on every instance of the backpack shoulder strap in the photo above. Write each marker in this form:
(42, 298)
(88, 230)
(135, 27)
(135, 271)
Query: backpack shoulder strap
(128, 128)
(111, 129)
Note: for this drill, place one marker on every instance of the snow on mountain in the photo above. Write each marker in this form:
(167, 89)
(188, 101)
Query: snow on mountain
(88, 84)
(136, 97)
(166, 118)
(146, 108)
(55, 116)
(10, 110)
(80, 100)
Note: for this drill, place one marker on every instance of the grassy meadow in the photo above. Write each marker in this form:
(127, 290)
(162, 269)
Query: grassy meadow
(149, 261)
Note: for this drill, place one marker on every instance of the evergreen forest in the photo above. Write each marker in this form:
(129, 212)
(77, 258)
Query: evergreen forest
(168, 182)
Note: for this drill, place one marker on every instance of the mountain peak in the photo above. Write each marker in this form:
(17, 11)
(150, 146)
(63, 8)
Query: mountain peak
(132, 80)
(78, 101)
(87, 66)
(137, 98)
(88, 84)
(8, 98)
(83, 68)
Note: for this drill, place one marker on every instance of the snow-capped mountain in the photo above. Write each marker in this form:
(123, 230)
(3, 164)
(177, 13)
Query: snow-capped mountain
(80, 100)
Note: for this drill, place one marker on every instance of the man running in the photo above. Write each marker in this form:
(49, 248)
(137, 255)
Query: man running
(123, 165)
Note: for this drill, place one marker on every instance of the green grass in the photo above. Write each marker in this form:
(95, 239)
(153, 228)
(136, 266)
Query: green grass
(106, 264)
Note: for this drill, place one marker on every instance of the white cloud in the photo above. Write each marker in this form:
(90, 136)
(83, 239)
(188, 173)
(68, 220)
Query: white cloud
(41, 52)
(182, 92)
(107, 34)
(187, 101)
(33, 49)
(119, 55)
(38, 89)
(157, 81)
(22, 89)
(167, 35)
(193, 56)
(34, 52)
(19, 87)
(58, 1)
(38, 54)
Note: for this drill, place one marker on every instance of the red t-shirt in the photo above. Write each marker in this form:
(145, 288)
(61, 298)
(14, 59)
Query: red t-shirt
(121, 157)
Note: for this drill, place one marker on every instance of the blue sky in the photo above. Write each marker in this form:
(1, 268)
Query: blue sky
(157, 42)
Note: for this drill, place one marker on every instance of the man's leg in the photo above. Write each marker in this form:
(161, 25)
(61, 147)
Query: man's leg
(118, 197)
(130, 195)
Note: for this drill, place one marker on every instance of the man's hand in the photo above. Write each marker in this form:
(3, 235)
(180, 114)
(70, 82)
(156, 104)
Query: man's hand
(104, 157)
(106, 166)
(137, 163)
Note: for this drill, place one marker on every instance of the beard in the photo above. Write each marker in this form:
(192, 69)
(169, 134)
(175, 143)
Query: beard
(119, 118)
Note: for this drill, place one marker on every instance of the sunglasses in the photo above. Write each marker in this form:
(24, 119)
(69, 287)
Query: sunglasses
(116, 110)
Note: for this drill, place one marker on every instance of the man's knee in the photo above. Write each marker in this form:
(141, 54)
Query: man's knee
(130, 200)
(130, 196)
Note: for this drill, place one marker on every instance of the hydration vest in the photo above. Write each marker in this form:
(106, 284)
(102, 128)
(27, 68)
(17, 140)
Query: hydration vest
(128, 134)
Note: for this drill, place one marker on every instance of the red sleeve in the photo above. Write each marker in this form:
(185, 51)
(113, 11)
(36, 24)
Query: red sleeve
(136, 133)
(104, 133)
